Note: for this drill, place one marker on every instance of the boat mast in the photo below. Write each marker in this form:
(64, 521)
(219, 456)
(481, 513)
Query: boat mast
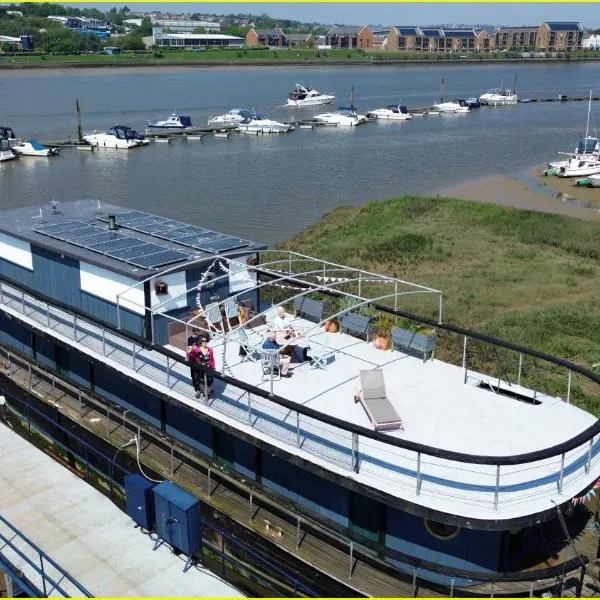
(515, 85)
(587, 127)
(442, 90)
(352, 96)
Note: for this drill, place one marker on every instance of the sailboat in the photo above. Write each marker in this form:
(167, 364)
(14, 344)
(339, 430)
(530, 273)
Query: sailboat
(585, 160)
(456, 106)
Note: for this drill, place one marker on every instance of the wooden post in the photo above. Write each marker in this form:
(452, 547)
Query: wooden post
(79, 128)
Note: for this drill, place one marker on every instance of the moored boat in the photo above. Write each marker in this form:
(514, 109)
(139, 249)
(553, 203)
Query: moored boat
(119, 136)
(499, 97)
(34, 148)
(173, 122)
(393, 112)
(579, 166)
(344, 116)
(5, 151)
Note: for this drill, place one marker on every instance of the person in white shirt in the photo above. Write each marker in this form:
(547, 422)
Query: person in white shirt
(280, 321)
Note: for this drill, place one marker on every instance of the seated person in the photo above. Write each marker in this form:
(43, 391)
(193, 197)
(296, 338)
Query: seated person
(270, 343)
(281, 323)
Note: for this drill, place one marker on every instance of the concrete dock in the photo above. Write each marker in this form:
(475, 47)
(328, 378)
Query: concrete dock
(86, 534)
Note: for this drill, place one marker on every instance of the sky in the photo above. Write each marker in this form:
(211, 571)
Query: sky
(389, 13)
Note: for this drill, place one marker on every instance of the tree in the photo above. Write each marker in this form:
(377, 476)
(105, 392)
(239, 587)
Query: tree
(145, 29)
(235, 31)
(199, 30)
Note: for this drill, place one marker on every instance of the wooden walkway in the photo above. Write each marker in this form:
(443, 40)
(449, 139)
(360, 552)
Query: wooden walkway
(334, 555)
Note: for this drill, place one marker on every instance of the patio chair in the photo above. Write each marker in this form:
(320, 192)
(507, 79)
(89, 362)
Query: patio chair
(214, 317)
(232, 310)
(372, 396)
(321, 355)
(269, 360)
(251, 344)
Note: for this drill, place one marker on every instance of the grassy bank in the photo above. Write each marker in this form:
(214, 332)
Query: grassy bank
(283, 56)
(526, 277)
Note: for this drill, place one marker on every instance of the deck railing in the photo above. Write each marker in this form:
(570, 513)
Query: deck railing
(395, 466)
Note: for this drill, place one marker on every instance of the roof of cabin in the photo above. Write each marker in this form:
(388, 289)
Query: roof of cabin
(143, 244)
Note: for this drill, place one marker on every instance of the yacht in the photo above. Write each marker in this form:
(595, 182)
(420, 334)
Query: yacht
(394, 112)
(499, 97)
(579, 166)
(255, 123)
(230, 119)
(34, 148)
(345, 116)
(173, 122)
(456, 106)
(119, 136)
(588, 147)
(304, 95)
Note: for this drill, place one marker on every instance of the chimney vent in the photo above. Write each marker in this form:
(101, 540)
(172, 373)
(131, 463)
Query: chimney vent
(112, 222)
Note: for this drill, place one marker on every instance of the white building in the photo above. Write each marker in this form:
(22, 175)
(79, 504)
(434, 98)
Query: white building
(183, 26)
(195, 40)
(591, 43)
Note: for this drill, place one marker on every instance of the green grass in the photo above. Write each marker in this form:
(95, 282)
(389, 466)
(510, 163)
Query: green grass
(526, 277)
(247, 55)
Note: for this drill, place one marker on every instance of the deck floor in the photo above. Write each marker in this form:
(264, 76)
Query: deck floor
(86, 534)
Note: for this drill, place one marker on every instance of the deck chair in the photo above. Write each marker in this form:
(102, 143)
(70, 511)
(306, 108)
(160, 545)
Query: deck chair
(232, 310)
(269, 360)
(214, 317)
(321, 355)
(251, 344)
(372, 396)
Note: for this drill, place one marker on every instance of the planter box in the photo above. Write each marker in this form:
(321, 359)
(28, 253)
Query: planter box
(412, 340)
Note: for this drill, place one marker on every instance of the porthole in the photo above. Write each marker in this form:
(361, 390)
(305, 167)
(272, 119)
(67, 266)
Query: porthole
(441, 531)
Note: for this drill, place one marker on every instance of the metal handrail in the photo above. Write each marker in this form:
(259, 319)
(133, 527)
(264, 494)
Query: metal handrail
(43, 556)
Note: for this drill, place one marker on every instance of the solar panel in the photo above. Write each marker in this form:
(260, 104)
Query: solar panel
(127, 248)
(178, 232)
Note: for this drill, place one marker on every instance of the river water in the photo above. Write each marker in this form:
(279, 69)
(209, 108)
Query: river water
(267, 188)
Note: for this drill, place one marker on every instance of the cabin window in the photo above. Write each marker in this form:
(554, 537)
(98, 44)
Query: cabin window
(441, 531)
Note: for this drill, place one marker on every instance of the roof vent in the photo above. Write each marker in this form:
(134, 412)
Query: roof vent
(112, 223)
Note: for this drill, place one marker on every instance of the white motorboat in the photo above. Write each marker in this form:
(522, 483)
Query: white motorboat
(579, 166)
(456, 106)
(594, 180)
(230, 119)
(173, 122)
(393, 112)
(119, 136)
(34, 148)
(499, 97)
(587, 148)
(5, 152)
(255, 123)
(304, 95)
(345, 116)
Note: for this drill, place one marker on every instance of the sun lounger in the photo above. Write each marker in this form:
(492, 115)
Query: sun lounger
(372, 396)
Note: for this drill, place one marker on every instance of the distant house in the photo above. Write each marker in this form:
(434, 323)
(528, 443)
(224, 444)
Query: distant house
(265, 37)
(507, 38)
(559, 36)
(591, 42)
(299, 40)
(469, 40)
(349, 37)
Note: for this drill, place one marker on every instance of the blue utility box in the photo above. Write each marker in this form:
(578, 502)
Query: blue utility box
(178, 518)
(140, 500)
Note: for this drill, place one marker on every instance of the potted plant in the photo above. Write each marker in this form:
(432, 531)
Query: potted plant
(382, 328)
(332, 325)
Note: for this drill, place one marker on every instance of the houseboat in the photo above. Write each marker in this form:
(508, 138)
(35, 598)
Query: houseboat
(451, 475)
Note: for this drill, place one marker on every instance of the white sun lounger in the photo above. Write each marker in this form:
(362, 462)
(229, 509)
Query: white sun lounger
(372, 396)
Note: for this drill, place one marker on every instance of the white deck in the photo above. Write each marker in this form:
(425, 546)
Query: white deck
(86, 534)
(436, 406)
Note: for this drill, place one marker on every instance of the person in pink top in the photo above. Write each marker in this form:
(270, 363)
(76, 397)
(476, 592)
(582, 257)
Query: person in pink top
(202, 354)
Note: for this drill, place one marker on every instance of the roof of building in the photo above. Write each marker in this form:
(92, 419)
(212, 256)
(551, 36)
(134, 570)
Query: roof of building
(142, 245)
(519, 28)
(199, 36)
(297, 37)
(408, 31)
(434, 33)
(459, 33)
(269, 32)
(563, 26)
(338, 30)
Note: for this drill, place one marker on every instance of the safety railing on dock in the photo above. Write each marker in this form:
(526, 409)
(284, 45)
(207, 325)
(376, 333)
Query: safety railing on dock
(34, 570)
